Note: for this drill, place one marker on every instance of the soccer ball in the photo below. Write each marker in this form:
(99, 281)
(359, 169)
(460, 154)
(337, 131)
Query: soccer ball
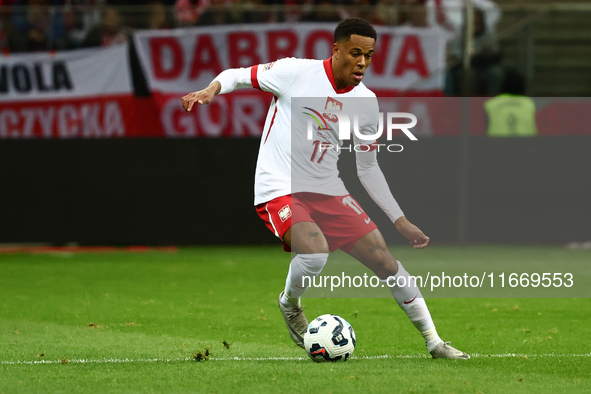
(329, 338)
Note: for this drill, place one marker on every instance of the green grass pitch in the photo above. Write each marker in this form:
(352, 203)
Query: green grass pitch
(132, 322)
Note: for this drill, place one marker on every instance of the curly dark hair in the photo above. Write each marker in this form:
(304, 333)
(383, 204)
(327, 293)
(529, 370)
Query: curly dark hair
(351, 26)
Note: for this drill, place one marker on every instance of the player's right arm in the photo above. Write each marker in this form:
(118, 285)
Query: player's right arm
(273, 77)
(373, 180)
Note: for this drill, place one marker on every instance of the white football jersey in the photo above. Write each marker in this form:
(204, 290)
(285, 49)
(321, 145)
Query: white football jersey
(294, 157)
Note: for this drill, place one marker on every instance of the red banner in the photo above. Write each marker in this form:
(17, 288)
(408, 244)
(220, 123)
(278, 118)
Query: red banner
(88, 93)
(97, 117)
(183, 60)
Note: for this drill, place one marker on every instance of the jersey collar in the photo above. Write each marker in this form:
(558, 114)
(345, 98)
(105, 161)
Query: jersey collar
(329, 74)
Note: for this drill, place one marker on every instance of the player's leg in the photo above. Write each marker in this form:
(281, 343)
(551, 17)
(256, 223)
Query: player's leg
(307, 240)
(371, 251)
(306, 237)
(289, 219)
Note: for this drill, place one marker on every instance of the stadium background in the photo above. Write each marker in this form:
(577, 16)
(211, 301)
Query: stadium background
(144, 185)
(89, 156)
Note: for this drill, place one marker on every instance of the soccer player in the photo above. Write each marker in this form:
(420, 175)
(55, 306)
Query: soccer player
(319, 216)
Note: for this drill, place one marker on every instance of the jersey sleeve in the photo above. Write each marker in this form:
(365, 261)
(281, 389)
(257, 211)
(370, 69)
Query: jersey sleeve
(232, 79)
(275, 77)
(369, 172)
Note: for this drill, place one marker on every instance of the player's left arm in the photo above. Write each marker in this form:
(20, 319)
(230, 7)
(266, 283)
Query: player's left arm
(274, 77)
(373, 180)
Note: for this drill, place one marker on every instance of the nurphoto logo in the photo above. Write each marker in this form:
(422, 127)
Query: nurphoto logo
(344, 129)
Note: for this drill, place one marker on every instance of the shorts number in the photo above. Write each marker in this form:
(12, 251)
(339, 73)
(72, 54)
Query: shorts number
(353, 204)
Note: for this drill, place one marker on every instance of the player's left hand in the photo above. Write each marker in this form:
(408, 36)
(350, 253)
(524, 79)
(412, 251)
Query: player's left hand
(417, 238)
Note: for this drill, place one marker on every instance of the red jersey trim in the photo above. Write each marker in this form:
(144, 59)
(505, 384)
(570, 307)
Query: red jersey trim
(253, 77)
(328, 69)
(272, 121)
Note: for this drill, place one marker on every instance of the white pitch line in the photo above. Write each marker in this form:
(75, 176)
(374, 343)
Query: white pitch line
(100, 361)
(167, 360)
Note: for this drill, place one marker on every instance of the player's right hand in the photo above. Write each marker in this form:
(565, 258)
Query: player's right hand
(201, 97)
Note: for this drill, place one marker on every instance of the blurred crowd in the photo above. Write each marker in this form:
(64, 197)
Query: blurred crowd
(37, 25)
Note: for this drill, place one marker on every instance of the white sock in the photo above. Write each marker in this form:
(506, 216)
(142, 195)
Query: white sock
(302, 265)
(409, 298)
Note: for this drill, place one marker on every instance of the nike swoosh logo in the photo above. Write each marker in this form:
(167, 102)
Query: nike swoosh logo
(367, 220)
(408, 302)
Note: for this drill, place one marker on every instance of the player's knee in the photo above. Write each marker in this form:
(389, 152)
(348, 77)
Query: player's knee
(308, 238)
(385, 266)
(311, 246)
